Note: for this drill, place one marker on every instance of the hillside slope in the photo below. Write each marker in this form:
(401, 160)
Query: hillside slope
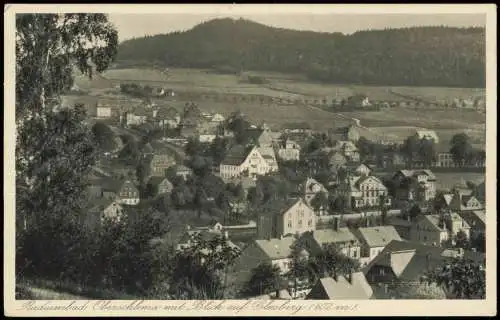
(419, 56)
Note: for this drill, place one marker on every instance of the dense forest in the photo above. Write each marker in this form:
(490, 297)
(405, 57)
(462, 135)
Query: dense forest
(417, 56)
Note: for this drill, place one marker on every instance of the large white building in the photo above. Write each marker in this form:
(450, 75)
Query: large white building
(245, 161)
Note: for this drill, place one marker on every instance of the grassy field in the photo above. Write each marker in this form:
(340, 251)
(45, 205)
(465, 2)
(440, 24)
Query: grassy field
(396, 122)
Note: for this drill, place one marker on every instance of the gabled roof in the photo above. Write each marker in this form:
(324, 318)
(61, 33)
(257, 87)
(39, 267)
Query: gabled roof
(277, 248)
(427, 134)
(326, 236)
(237, 155)
(101, 204)
(341, 289)
(310, 184)
(414, 173)
(167, 112)
(155, 181)
(378, 236)
(409, 260)
(279, 206)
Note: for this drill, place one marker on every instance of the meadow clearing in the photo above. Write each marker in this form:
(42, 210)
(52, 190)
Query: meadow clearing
(397, 123)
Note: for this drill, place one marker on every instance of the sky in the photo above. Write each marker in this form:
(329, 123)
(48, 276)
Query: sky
(138, 25)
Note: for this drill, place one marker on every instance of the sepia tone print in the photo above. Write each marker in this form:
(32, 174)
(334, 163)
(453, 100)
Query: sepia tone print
(245, 158)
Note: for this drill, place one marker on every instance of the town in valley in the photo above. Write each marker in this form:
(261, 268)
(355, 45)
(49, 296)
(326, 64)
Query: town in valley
(233, 182)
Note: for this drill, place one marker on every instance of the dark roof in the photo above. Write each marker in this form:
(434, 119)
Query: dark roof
(167, 112)
(110, 184)
(156, 180)
(237, 154)
(280, 206)
(100, 204)
(254, 133)
(412, 258)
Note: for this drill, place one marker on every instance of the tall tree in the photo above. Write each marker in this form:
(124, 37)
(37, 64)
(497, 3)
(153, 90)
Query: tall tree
(264, 279)
(427, 151)
(463, 279)
(54, 148)
(460, 148)
(410, 149)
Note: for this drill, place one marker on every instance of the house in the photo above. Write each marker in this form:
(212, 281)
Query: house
(182, 171)
(348, 150)
(138, 116)
(434, 229)
(341, 237)
(260, 136)
(160, 163)
(419, 185)
(374, 239)
(351, 133)
(276, 251)
(336, 160)
(310, 188)
(477, 221)
(104, 111)
(167, 117)
(244, 161)
(192, 237)
(270, 156)
(362, 169)
(298, 127)
(289, 150)
(217, 118)
(159, 185)
(444, 160)
(405, 263)
(427, 135)
(285, 217)
(106, 208)
(358, 100)
(124, 191)
(206, 138)
(349, 287)
(362, 191)
(463, 202)
(402, 226)
(480, 192)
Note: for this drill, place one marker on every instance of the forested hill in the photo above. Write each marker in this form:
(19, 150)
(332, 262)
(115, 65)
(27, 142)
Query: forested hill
(421, 56)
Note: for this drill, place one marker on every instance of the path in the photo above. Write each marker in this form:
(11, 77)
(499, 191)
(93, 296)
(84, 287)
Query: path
(49, 294)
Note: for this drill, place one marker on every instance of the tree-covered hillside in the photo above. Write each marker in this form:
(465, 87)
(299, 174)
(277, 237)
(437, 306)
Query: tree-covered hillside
(422, 56)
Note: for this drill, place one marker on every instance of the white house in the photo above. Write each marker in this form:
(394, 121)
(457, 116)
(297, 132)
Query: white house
(289, 150)
(104, 111)
(274, 251)
(374, 240)
(244, 161)
(362, 191)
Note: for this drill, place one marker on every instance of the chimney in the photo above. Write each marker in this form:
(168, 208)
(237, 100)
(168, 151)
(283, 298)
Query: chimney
(349, 277)
(335, 274)
(336, 224)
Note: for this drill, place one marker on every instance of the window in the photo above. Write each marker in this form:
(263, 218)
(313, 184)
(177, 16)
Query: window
(382, 271)
(289, 223)
(300, 223)
(309, 223)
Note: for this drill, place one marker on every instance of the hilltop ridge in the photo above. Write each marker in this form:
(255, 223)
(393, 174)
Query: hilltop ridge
(414, 56)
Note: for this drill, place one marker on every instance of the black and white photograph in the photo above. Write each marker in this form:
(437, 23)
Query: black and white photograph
(262, 157)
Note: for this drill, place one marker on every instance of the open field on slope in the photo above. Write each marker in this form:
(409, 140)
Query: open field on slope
(280, 85)
(398, 121)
